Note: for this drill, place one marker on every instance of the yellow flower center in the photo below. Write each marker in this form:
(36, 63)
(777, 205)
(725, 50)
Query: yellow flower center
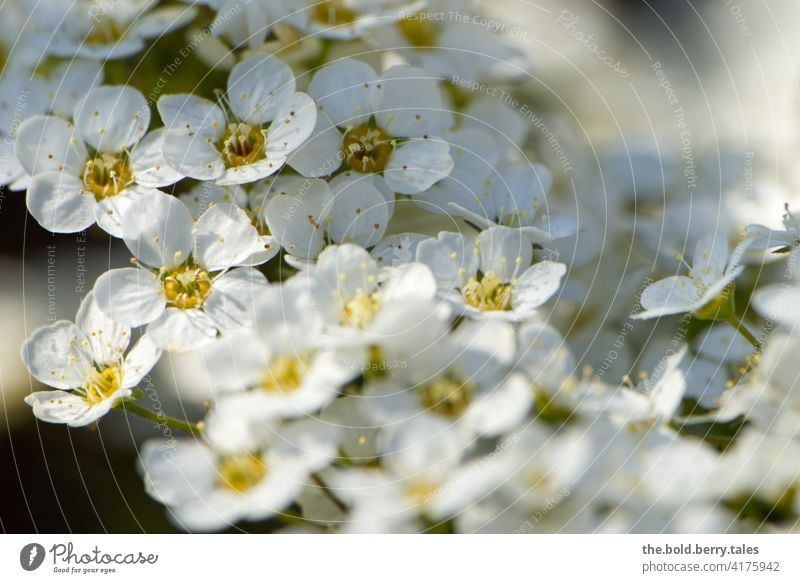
(488, 294)
(333, 12)
(447, 396)
(285, 374)
(367, 149)
(360, 310)
(242, 145)
(101, 384)
(107, 175)
(186, 287)
(240, 472)
(419, 31)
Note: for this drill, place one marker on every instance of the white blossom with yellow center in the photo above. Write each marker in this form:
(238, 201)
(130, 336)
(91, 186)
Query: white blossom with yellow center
(241, 470)
(92, 171)
(248, 135)
(87, 364)
(282, 369)
(349, 291)
(388, 125)
(711, 272)
(185, 287)
(492, 277)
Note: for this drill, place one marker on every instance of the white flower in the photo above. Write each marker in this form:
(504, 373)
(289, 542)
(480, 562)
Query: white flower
(184, 287)
(87, 365)
(384, 125)
(423, 474)
(306, 214)
(239, 471)
(492, 278)
(347, 291)
(94, 170)
(654, 402)
(464, 378)
(281, 369)
(104, 29)
(267, 121)
(709, 276)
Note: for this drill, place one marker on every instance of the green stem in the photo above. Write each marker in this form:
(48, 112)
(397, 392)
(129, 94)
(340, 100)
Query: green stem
(734, 321)
(329, 493)
(161, 418)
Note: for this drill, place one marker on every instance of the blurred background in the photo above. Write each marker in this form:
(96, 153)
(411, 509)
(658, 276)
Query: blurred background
(723, 71)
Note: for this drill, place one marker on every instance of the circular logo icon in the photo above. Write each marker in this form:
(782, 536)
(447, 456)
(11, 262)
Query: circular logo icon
(31, 556)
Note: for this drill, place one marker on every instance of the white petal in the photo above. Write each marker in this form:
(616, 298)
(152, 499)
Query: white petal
(418, 164)
(537, 285)
(158, 230)
(224, 236)
(108, 339)
(348, 268)
(57, 406)
(345, 91)
(250, 172)
(238, 361)
(504, 251)
(178, 470)
(59, 203)
(359, 213)
(161, 21)
(70, 81)
(409, 282)
(58, 355)
(296, 218)
(233, 298)
(259, 87)
(112, 118)
(129, 296)
(710, 256)
(672, 295)
(779, 303)
(409, 104)
(293, 124)
(50, 144)
(148, 163)
(321, 154)
(180, 330)
(192, 114)
(451, 257)
(109, 212)
(501, 410)
(140, 360)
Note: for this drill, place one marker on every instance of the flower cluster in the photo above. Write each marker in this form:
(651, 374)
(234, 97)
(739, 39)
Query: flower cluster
(390, 282)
